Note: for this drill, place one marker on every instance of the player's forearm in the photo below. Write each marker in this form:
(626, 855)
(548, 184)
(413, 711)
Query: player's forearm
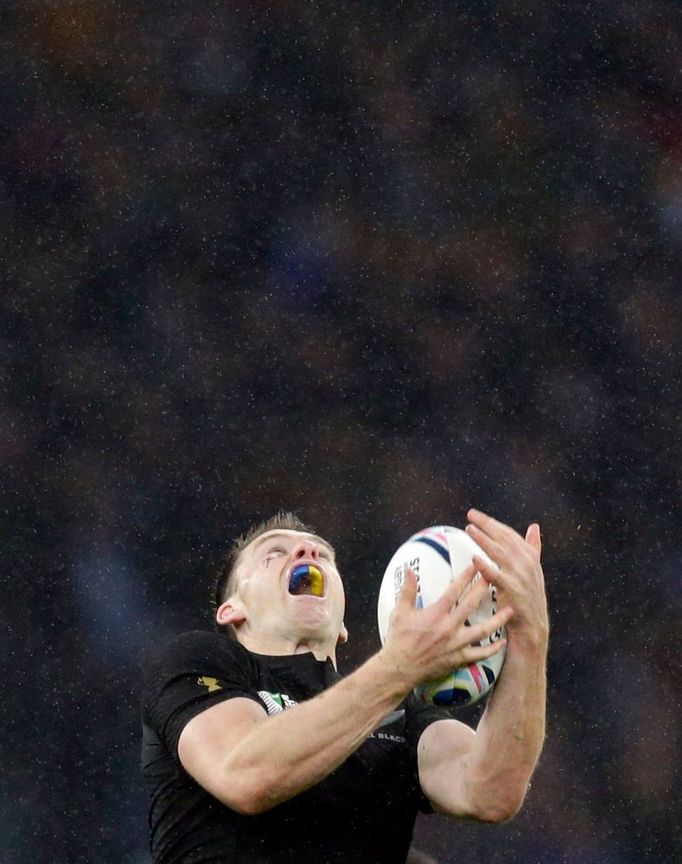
(511, 732)
(296, 749)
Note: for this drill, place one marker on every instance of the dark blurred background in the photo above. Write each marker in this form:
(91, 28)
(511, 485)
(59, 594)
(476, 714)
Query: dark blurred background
(374, 262)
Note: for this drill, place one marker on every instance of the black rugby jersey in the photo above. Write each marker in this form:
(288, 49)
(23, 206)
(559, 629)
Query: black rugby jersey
(362, 813)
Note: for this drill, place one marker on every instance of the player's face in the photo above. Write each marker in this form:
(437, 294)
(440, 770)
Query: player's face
(288, 588)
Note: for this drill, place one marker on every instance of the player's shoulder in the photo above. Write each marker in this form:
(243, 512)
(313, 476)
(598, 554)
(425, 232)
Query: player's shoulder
(195, 649)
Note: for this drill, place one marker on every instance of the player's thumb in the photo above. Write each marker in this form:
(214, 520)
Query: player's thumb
(408, 593)
(533, 537)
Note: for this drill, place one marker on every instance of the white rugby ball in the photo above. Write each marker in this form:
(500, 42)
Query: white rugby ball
(438, 555)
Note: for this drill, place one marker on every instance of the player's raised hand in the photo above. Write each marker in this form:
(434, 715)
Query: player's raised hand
(427, 644)
(520, 581)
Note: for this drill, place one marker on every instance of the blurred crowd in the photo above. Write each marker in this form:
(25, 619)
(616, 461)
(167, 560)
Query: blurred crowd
(372, 262)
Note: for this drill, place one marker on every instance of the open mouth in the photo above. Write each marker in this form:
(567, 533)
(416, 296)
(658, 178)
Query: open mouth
(306, 579)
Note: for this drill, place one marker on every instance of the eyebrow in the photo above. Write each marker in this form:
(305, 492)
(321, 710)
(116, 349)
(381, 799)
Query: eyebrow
(278, 535)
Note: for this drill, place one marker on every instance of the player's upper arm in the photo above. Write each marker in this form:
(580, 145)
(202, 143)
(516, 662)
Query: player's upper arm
(443, 759)
(206, 742)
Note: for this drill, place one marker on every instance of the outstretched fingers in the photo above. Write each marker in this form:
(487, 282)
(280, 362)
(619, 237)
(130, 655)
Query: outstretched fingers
(533, 538)
(452, 594)
(484, 630)
(468, 603)
(492, 547)
(474, 653)
(494, 575)
(497, 531)
(408, 593)
(501, 542)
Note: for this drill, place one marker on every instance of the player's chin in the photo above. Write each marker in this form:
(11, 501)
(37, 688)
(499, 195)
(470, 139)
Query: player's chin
(310, 610)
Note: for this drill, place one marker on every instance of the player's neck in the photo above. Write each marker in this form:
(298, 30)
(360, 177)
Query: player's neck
(282, 647)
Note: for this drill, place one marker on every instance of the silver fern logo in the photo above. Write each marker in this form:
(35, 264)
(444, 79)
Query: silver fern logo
(275, 703)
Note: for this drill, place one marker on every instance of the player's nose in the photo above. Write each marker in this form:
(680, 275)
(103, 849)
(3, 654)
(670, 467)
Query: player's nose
(306, 549)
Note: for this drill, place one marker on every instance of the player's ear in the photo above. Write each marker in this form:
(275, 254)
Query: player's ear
(231, 612)
(343, 635)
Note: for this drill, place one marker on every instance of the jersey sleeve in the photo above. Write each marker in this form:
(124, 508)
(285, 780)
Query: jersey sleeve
(191, 673)
(418, 716)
